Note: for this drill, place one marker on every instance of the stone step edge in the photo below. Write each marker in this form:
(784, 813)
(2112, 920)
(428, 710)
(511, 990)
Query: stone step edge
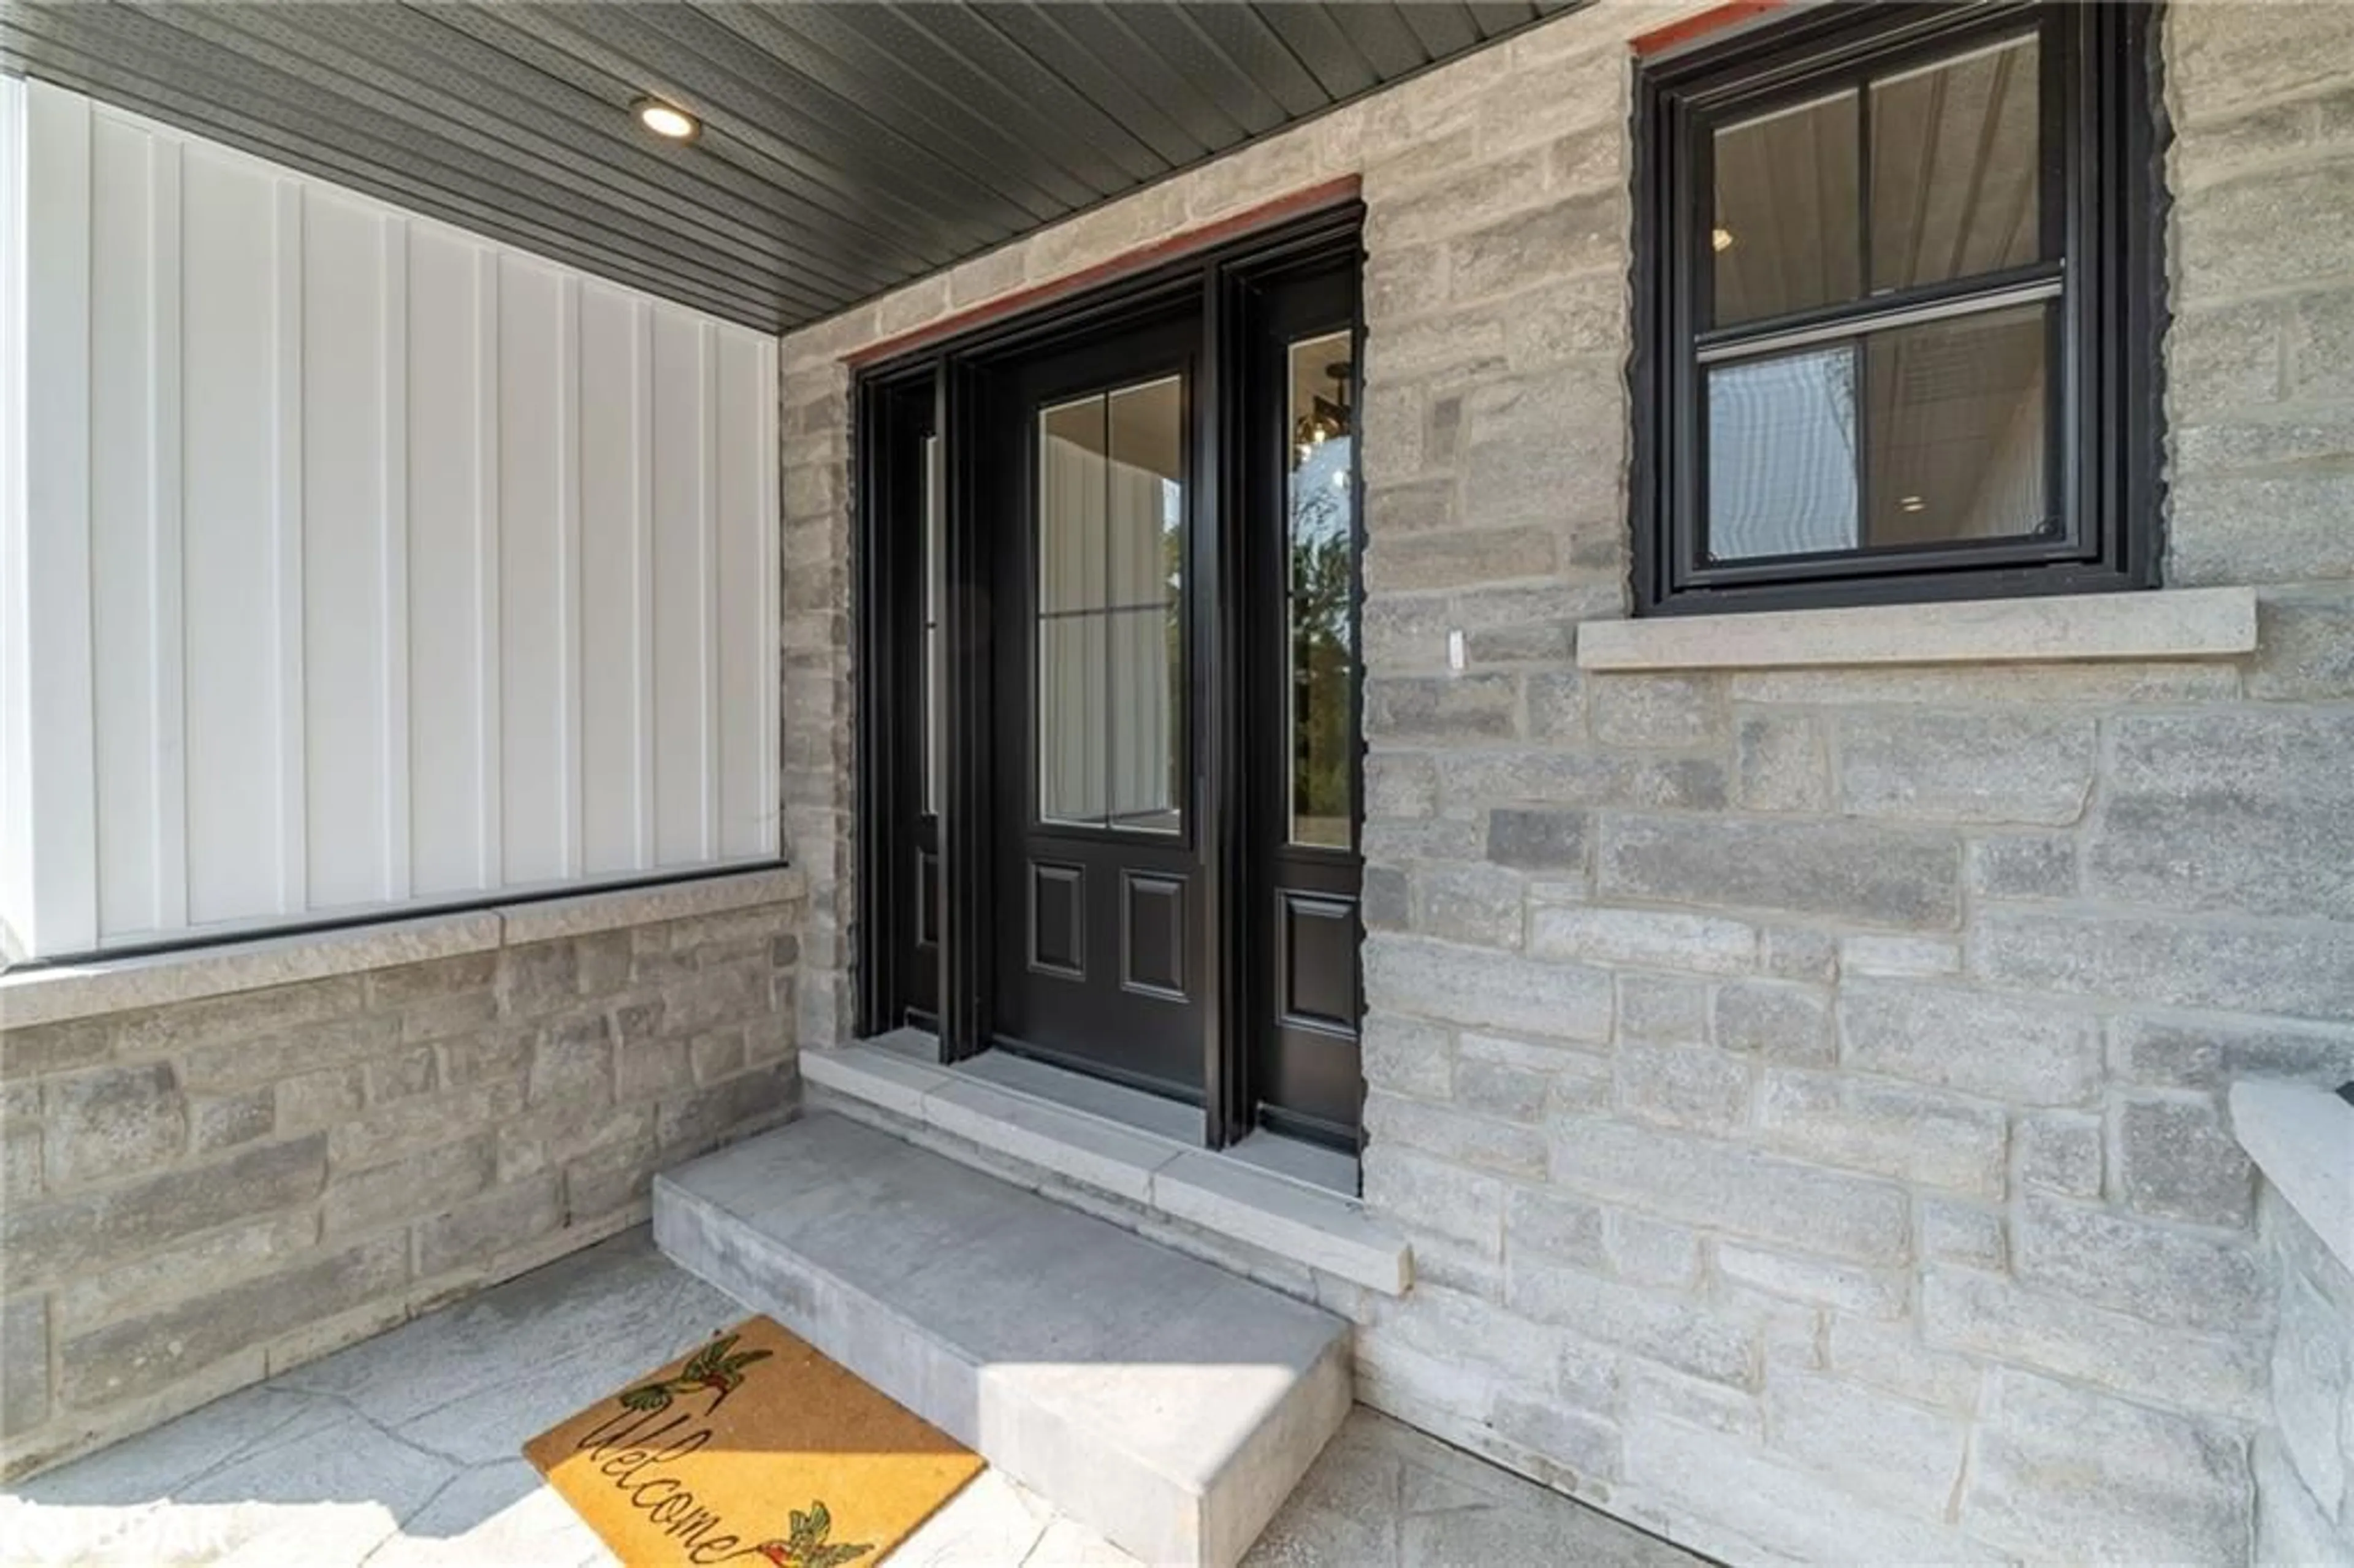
(1308, 1225)
(1224, 1531)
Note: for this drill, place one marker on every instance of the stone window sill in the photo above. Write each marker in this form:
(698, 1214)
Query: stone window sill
(1293, 1219)
(2178, 623)
(2302, 1138)
(55, 993)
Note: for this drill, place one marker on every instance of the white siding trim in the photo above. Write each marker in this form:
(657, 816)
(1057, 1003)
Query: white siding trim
(394, 557)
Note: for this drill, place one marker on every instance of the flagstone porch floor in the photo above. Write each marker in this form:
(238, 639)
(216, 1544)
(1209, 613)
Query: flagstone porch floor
(402, 1452)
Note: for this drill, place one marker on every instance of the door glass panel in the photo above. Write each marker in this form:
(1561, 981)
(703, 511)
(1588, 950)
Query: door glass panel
(1111, 582)
(1321, 523)
(1956, 185)
(1786, 232)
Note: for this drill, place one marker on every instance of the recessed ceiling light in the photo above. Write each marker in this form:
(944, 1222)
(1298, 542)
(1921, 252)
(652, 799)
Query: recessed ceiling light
(1720, 238)
(666, 120)
(1911, 502)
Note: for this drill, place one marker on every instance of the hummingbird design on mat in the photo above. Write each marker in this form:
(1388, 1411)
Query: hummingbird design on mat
(713, 1368)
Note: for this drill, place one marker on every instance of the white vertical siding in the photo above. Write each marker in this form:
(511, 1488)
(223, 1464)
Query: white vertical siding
(355, 560)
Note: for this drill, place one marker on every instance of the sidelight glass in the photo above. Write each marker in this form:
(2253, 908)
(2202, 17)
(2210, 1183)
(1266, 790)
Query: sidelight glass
(1111, 580)
(1320, 587)
(935, 786)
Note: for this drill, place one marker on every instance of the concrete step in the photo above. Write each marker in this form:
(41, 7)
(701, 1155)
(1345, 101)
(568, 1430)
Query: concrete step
(1168, 1403)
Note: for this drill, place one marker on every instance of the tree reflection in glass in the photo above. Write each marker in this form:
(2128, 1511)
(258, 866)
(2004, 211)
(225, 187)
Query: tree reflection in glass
(1322, 529)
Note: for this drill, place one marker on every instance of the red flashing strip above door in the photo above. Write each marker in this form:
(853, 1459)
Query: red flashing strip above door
(1183, 243)
(1658, 40)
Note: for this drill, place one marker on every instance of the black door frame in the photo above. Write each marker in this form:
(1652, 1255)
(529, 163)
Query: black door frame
(957, 373)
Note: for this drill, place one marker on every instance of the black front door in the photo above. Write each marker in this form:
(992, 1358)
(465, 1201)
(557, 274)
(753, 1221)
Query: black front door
(1089, 492)
(1109, 699)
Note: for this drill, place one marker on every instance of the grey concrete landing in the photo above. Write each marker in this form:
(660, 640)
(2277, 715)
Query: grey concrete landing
(1163, 1402)
(352, 1460)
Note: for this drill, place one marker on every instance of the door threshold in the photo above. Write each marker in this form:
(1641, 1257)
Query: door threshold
(1265, 1192)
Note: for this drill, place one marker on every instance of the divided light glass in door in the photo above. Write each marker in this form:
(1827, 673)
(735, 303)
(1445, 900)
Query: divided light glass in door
(1110, 609)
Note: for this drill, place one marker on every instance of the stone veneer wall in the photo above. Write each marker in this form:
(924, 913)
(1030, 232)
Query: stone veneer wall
(2305, 1464)
(1802, 1088)
(200, 1194)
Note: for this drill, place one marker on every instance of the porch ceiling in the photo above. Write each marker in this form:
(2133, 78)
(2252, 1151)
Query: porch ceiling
(846, 148)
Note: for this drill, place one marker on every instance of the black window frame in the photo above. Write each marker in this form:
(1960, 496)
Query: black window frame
(2103, 138)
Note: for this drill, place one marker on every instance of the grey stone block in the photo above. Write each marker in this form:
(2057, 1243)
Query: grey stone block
(1550, 1225)
(227, 1122)
(1648, 1252)
(112, 1121)
(1780, 1022)
(1586, 1446)
(702, 1117)
(1576, 235)
(1672, 1329)
(1965, 1039)
(1879, 876)
(1693, 1087)
(2298, 209)
(139, 1356)
(1742, 1503)
(1650, 938)
(1479, 988)
(421, 1182)
(1662, 1007)
(1889, 1355)
(1475, 903)
(1781, 765)
(462, 974)
(241, 1020)
(24, 1364)
(2211, 1055)
(1403, 1057)
(2321, 339)
(505, 1219)
(63, 1237)
(648, 1069)
(2219, 355)
(2313, 1387)
(572, 1062)
(2063, 1471)
(1505, 1147)
(1556, 700)
(321, 1098)
(2305, 640)
(611, 1176)
(1933, 1139)
(2024, 866)
(32, 1051)
(407, 1126)
(211, 1261)
(1502, 1089)
(288, 1049)
(1386, 901)
(1537, 840)
(1442, 707)
(1966, 767)
(1702, 1182)
(1040, 1336)
(2177, 1159)
(1989, 1316)
(2290, 1525)
(2166, 1275)
(1432, 1196)
(1470, 780)
(1460, 557)
(1906, 1457)
(2295, 969)
(1666, 710)
(2251, 812)
(1964, 1233)
(2060, 1151)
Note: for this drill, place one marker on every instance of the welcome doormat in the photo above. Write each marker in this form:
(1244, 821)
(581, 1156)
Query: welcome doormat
(753, 1447)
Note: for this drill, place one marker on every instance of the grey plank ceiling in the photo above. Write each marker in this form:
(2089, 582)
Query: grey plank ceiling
(846, 147)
